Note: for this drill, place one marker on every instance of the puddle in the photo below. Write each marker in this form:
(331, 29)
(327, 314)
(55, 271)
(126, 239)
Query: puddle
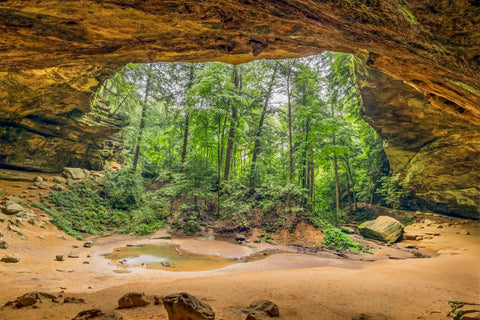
(172, 258)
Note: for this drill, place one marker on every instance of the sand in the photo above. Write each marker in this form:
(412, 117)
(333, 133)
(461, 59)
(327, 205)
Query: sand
(304, 286)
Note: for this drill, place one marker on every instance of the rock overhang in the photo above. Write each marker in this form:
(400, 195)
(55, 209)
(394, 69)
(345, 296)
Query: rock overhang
(424, 102)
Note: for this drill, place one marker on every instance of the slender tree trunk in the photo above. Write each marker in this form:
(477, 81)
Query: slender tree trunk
(258, 133)
(290, 138)
(142, 121)
(191, 79)
(233, 122)
(337, 184)
(185, 141)
(350, 176)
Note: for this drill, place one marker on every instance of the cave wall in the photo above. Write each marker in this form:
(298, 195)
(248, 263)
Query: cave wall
(421, 89)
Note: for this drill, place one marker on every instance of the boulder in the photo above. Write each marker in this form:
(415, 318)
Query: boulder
(31, 298)
(132, 300)
(10, 258)
(265, 306)
(14, 208)
(183, 305)
(74, 173)
(38, 179)
(3, 244)
(384, 228)
(97, 314)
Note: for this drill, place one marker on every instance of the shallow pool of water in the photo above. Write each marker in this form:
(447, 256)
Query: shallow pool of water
(172, 258)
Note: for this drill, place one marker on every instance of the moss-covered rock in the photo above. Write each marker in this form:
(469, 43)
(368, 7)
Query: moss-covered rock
(383, 228)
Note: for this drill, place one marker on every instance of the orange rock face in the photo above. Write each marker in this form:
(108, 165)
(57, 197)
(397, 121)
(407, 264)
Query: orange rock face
(423, 96)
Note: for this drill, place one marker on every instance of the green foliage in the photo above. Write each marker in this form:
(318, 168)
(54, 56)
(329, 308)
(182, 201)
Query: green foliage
(335, 239)
(391, 192)
(407, 220)
(190, 228)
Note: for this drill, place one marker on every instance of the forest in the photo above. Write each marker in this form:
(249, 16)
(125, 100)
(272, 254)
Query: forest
(281, 140)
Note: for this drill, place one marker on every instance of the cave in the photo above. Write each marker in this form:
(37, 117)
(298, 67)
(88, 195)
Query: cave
(419, 84)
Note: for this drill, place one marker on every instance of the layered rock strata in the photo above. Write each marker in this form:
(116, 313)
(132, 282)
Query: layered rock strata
(426, 104)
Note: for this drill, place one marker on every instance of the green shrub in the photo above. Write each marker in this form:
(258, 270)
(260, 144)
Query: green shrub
(335, 239)
(190, 228)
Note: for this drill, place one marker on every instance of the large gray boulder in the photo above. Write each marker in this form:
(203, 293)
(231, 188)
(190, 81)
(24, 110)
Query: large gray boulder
(383, 228)
(181, 306)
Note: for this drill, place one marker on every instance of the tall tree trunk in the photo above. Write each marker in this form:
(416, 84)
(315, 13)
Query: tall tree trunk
(142, 121)
(350, 176)
(258, 133)
(290, 138)
(231, 134)
(337, 184)
(185, 141)
(191, 79)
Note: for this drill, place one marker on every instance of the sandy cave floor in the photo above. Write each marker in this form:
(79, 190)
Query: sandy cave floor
(305, 286)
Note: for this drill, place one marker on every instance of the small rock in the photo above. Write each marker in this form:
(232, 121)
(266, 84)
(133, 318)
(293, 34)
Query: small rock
(3, 244)
(15, 221)
(427, 222)
(239, 237)
(74, 173)
(346, 229)
(2, 217)
(157, 300)
(38, 179)
(33, 187)
(97, 314)
(2, 192)
(1, 233)
(14, 208)
(74, 254)
(371, 316)
(31, 298)
(23, 238)
(86, 262)
(88, 244)
(58, 179)
(10, 258)
(181, 306)
(42, 185)
(59, 257)
(41, 237)
(12, 228)
(439, 226)
(132, 300)
(464, 232)
(266, 306)
(58, 187)
(419, 238)
(73, 300)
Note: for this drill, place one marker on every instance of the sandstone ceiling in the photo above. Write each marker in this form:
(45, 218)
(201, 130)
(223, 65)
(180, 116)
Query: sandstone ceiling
(420, 86)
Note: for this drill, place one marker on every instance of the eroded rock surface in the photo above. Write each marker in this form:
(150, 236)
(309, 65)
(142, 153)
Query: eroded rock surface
(183, 305)
(54, 54)
(384, 228)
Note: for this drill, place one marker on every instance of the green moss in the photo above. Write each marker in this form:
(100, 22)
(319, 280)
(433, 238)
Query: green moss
(464, 86)
(407, 13)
